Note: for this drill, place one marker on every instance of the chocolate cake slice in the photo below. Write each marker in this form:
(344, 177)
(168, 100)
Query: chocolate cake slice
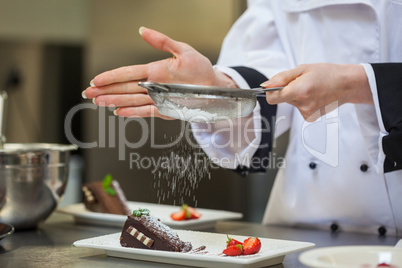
(99, 199)
(148, 232)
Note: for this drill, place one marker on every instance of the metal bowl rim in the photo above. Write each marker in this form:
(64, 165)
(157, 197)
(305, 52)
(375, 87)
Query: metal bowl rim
(11, 230)
(38, 147)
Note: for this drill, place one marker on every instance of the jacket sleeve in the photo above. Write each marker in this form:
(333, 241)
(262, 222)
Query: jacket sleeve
(242, 144)
(253, 44)
(260, 159)
(389, 91)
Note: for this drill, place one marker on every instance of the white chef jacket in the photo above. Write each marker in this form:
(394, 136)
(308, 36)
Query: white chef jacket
(333, 168)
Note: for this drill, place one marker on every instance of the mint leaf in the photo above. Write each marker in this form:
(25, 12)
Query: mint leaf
(136, 213)
(141, 211)
(144, 211)
(110, 191)
(107, 181)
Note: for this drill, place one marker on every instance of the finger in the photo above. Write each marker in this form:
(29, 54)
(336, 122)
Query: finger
(143, 111)
(299, 87)
(118, 88)
(122, 74)
(161, 41)
(287, 94)
(126, 100)
(284, 78)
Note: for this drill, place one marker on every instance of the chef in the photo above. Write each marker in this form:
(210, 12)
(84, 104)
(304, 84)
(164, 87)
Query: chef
(338, 174)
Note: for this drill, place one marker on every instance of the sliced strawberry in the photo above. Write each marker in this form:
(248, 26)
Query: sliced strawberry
(194, 214)
(178, 216)
(233, 250)
(384, 265)
(251, 245)
(185, 213)
(191, 213)
(232, 241)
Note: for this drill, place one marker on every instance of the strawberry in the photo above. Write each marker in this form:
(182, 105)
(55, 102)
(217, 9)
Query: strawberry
(233, 250)
(191, 213)
(232, 241)
(384, 265)
(194, 214)
(178, 216)
(251, 245)
(185, 213)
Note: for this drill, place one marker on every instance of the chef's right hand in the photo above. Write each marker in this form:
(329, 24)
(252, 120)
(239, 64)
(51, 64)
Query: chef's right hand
(119, 87)
(318, 88)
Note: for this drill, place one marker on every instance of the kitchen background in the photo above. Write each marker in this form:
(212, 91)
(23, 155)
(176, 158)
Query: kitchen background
(51, 49)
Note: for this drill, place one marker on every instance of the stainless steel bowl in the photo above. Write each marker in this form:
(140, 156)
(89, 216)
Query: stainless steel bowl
(6, 230)
(33, 177)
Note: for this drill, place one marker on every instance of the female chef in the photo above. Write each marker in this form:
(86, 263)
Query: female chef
(338, 174)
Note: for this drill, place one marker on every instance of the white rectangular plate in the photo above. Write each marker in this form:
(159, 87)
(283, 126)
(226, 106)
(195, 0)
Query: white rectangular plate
(207, 220)
(272, 251)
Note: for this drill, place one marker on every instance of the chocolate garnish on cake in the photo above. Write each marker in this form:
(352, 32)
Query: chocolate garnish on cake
(105, 197)
(142, 230)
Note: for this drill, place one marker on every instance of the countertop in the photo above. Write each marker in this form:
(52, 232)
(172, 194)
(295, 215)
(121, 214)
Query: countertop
(50, 245)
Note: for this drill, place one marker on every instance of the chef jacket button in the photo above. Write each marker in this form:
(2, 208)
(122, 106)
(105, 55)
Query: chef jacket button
(382, 230)
(364, 167)
(334, 227)
(312, 165)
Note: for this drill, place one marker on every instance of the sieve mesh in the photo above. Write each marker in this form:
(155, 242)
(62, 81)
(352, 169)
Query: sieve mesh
(201, 103)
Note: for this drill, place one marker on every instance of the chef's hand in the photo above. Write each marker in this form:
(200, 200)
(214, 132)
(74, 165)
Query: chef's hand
(316, 89)
(119, 87)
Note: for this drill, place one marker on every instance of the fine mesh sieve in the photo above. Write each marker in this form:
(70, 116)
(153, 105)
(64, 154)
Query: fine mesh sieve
(197, 104)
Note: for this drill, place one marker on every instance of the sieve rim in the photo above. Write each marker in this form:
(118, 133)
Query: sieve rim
(198, 90)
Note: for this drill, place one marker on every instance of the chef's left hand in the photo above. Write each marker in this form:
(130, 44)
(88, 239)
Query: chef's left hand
(119, 87)
(318, 88)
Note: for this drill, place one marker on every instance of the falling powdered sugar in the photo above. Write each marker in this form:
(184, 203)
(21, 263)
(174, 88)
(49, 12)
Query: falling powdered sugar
(177, 180)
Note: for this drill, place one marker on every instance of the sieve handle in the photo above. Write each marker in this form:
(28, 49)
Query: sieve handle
(154, 86)
(261, 89)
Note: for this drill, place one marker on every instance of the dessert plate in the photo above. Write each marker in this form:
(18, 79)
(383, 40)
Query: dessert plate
(272, 252)
(207, 220)
(353, 257)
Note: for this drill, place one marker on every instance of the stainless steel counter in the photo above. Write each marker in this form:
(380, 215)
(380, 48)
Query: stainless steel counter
(51, 244)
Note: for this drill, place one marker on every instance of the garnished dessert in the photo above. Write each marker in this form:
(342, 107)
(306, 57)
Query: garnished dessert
(250, 246)
(142, 230)
(185, 213)
(105, 197)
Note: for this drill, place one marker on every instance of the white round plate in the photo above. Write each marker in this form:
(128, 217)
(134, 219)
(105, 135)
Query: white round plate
(353, 257)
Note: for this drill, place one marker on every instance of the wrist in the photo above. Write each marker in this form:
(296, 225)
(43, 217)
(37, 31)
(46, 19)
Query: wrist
(357, 85)
(223, 80)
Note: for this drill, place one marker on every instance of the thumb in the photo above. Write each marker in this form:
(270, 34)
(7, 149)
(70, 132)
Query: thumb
(283, 78)
(161, 41)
